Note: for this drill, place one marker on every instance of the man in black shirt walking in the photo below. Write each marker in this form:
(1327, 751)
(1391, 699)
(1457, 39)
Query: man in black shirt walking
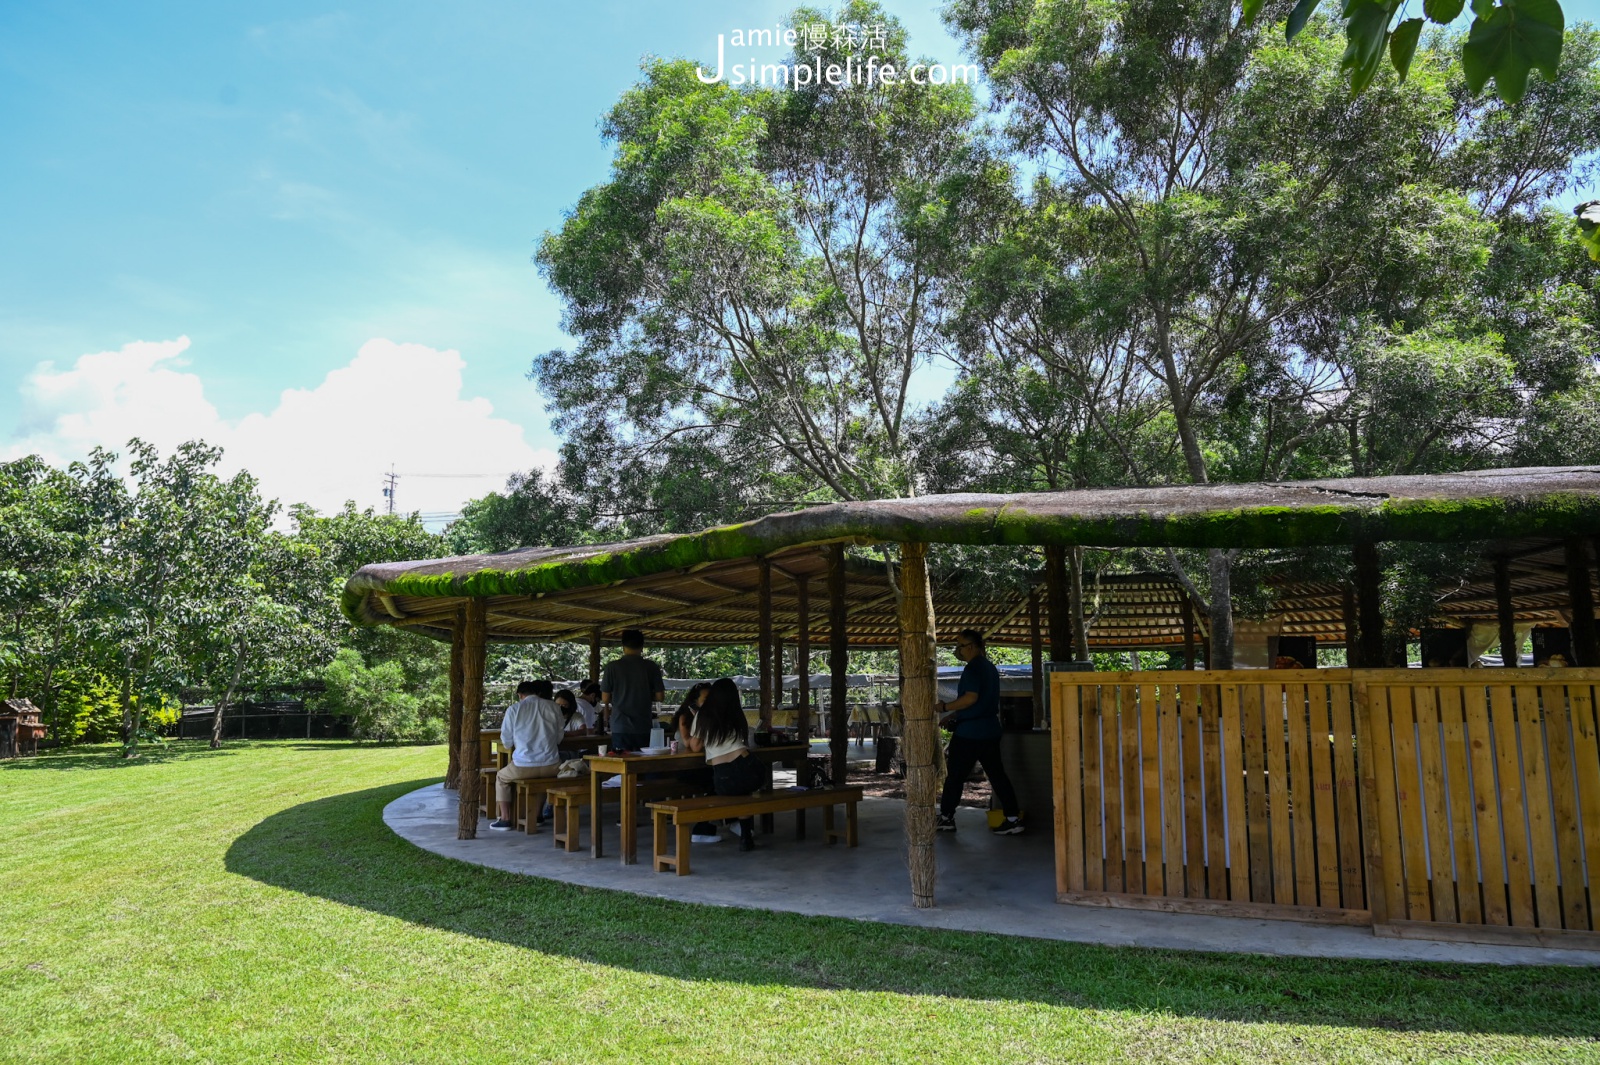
(974, 718)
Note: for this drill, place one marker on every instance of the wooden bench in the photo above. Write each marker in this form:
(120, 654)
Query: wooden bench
(568, 798)
(529, 801)
(683, 813)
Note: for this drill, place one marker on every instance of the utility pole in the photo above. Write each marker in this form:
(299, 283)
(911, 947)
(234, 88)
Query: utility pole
(389, 481)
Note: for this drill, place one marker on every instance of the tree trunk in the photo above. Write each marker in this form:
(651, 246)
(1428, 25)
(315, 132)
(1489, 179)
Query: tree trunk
(227, 699)
(458, 635)
(129, 727)
(472, 656)
(917, 638)
(1219, 653)
(802, 653)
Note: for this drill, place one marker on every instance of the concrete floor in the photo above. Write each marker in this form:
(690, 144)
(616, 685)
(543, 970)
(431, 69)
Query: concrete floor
(985, 883)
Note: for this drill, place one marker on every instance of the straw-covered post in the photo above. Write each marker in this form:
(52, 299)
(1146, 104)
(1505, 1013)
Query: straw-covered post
(475, 623)
(802, 654)
(452, 773)
(764, 637)
(1369, 574)
(1506, 613)
(594, 656)
(1580, 593)
(921, 729)
(1036, 646)
(838, 666)
(1058, 603)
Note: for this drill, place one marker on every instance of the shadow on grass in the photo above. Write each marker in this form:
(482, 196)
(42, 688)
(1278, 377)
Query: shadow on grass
(339, 849)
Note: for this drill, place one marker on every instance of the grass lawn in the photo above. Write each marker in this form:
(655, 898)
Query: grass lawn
(249, 905)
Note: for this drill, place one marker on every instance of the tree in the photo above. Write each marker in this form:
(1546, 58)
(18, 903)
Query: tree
(751, 282)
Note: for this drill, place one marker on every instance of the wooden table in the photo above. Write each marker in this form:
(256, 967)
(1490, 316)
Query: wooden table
(631, 767)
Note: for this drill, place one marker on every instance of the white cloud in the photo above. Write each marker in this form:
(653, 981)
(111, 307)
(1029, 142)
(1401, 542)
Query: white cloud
(394, 404)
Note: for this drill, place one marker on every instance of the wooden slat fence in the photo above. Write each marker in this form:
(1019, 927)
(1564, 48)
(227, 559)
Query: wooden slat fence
(1408, 798)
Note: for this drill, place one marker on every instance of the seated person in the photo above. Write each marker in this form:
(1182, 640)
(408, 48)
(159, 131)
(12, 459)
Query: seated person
(575, 724)
(531, 731)
(721, 731)
(589, 704)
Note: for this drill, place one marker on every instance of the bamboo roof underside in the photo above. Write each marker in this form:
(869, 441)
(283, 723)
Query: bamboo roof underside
(701, 588)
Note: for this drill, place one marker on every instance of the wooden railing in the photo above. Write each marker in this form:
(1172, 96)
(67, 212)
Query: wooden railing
(1413, 799)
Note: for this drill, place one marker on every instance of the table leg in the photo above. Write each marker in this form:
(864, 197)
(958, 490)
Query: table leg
(630, 819)
(595, 820)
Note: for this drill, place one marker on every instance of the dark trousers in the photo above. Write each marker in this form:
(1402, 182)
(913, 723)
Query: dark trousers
(742, 776)
(629, 741)
(965, 753)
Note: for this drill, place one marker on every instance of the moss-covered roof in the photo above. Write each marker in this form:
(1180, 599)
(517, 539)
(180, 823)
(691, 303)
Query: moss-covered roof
(1482, 505)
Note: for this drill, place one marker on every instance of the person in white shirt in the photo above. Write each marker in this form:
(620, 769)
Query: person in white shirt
(568, 702)
(722, 733)
(589, 703)
(531, 730)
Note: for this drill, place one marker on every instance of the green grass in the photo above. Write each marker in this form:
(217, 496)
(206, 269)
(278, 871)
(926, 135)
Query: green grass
(250, 905)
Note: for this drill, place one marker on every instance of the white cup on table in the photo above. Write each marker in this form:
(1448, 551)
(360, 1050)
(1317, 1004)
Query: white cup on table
(603, 749)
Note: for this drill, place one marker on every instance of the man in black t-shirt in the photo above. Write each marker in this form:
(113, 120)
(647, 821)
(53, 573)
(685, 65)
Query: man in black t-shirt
(629, 688)
(974, 719)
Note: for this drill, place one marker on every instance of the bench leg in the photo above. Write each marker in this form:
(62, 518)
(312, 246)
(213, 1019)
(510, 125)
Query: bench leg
(850, 824)
(766, 824)
(800, 823)
(659, 858)
(828, 833)
(683, 847)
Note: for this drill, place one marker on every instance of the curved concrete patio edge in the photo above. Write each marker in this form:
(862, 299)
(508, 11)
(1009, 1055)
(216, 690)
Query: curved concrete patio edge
(1004, 885)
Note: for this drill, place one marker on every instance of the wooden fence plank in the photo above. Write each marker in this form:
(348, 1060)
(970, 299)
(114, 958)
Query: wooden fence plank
(1435, 815)
(1586, 760)
(1233, 794)
(1069, 718)
(1536, 796)
(1132, 789)
(1304, 839)
(1150, 774)
(1408, 796)
(1319, 756)
(1274, 701)
(1094, 866)
(1111, 778)
(1211, 742)
(1346, 792)
(1564, 807)
(1251, 698)
(1458, 797)
(1171, 793)
(1485, 803)
(1380, 811)
(1194, 871)
(1519, 875)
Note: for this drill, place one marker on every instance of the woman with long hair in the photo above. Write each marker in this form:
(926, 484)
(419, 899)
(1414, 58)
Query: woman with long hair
(721, 731)
(568, 702)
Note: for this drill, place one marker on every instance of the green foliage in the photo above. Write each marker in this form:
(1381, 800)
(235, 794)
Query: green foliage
(375, 699)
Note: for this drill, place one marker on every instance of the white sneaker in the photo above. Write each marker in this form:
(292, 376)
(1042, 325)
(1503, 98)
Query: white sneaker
(705, 839)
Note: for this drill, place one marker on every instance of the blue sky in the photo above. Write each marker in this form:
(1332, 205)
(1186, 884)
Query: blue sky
(323, 202)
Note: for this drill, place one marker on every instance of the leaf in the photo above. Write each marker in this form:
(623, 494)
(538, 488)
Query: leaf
(1249, 9)
(1299, 17)
(1403, 45)
(1513, 39)
(1589, 227)
(1365, 35)
(1443, 12)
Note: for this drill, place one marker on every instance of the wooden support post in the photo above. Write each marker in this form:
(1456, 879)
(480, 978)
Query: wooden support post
(921, 730)
(1079, 625)
(838, 666)
(1368, 608)
(474, 626)
(779, 668)
(1188, 634)
(1580, 593)
(594, 656)
(452, 773)
(1037, 641)
(1058, 603)
(1510, 646)
(802, 589)
(764, 638)
(1352, 628)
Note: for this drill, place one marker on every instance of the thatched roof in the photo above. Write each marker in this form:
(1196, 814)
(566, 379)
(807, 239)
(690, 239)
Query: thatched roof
(700, 587)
